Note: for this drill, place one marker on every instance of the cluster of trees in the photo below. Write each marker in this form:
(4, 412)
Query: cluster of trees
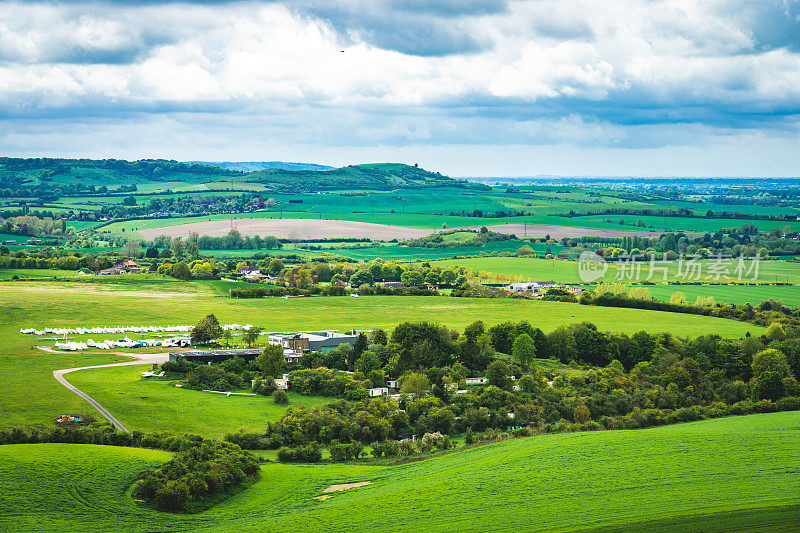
(746, 241)
(50, 258)
(33, 226)
(437, 240)
(616, 382)
(200, 468)
(480, 213)
(195, 473)
(232, 241)
(766, 313)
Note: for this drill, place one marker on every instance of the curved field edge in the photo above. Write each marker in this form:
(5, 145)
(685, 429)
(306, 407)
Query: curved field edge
(738, 473)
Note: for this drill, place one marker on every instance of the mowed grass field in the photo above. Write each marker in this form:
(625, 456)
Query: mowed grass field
(152, 405)
(32, 395)
(731, 474)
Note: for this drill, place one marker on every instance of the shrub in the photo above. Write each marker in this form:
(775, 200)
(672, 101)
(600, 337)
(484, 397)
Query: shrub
(265, 387)
(279, 397)
(788, 404)
(310, 453)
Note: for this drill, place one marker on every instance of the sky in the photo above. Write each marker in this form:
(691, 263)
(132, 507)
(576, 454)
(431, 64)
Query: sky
(464, 87)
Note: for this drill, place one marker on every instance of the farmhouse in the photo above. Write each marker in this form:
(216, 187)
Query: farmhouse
(121, 267)
(311, 341)
(522, 287)
(391, 284)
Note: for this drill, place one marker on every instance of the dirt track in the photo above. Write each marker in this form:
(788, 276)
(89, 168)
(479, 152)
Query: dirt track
(301, 228)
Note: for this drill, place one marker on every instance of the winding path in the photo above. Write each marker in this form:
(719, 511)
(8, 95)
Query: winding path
(141, 359)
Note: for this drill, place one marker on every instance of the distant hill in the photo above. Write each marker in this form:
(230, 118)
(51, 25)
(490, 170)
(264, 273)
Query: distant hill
(373, 177)
(16, 171)
(255, 166)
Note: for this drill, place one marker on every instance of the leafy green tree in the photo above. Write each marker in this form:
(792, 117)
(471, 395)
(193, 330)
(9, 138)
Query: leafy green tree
(524, 350)
(768, 385)
(770, 360)
(475, 330)
(270, 361)
(206, 330)
(177, 247)
(360, 278)
(503, 337)
(368, 362)
(499, 375)
(180, 270)
(412, 278)
(581, 414)
(251, 335)
(416, 384)
(524, 250)
(379, 337)
(193, 250)
(561, 344)
(202, 271)
(276, 266)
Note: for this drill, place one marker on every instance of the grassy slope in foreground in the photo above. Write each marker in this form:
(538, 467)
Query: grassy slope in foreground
(718, 475)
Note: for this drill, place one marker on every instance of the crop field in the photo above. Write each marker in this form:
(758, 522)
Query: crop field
(567, 271)
(753, 294)
(153, 405)
(737, 473)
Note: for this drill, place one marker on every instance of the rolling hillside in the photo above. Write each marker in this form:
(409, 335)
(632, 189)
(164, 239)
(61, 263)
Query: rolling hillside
(374, 177)
(728, 474)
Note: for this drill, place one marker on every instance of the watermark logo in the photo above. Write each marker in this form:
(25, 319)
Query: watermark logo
(693, 268)
(591, 267)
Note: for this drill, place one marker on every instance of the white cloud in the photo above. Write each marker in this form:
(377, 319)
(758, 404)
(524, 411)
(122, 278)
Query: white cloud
(545, 72)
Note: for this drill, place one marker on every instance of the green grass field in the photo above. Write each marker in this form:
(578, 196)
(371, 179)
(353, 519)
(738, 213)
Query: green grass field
(789, 295)
(567, 271)
(738, 473)
(151, 405)
(34, 396)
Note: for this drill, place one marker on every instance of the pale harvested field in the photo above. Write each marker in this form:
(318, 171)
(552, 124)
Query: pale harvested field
(559, 232)
(306, 228)
(290, 228)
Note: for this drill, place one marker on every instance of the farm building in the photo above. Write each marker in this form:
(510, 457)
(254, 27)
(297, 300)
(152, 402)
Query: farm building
(531, 286)
(311, 341)
(217, 356)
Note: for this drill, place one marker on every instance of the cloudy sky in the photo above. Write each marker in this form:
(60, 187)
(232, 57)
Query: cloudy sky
(468, 88)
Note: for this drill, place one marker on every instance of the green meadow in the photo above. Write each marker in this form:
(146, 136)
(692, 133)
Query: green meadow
(789, 295)
(771, 271)
(719, 475)
(33, 396)
(152, 405)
